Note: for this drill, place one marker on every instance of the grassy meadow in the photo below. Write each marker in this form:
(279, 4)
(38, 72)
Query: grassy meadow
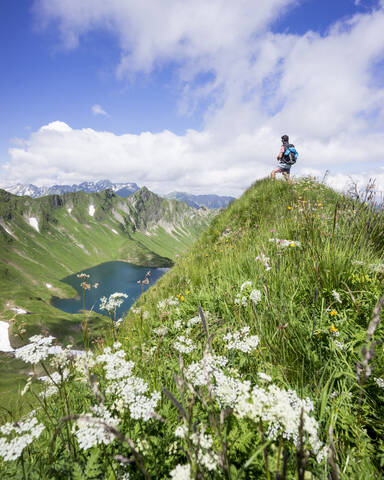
(259, 355)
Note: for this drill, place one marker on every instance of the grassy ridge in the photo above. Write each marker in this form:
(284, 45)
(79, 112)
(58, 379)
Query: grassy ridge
(317, 292)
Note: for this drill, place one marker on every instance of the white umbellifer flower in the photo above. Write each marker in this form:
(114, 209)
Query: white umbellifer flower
(241, 340)
(20, 435)
(228, 390)
(264, 376)
(336, 296)
(339, 345)
(379, 382)
(168, 302)
(184, 344)
(245, 284)
(200, 373)
(145, 315)
(196, 320)
(36, 351)
(178, 324)
(241, 300)
(117, 345)
(52, 381)
(161, 331)
(84, 362)
(255, 296)
(181, 472)
(126, 390)
(113, 302)
(281, 410)
(181, 431)
(91, 431)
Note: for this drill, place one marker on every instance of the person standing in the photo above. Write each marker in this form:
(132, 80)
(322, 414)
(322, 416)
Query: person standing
(286, 158)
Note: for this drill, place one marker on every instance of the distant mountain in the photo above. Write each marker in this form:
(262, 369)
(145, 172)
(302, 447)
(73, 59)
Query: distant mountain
(197, 201)
(121, 189)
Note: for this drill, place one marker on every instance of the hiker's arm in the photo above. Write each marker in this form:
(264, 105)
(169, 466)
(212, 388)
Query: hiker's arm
(280, 155)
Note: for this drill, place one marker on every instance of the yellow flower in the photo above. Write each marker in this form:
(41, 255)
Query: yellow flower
(292, 245)
(182, 298)
(187, 292)
(333, 329)
(206, 254)
(333, 313)
(126, 338)
(289, 208)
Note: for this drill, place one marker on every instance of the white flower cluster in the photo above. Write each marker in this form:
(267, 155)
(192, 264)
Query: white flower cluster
(19, 435)
(285, 243)
(184, 344)
(52, 381)
(281, 410)
(336, 296)
(228, 390)
(339, 345)
(246, 292)
(90, 430)
(126, 390)
(113, 302)
(379, 382)
(194, 321)
(160, 331)
(200, 373)
(241, 340)
(203, 442)
(36, 351)
(168, 302)
(181, 472)
(264, 260)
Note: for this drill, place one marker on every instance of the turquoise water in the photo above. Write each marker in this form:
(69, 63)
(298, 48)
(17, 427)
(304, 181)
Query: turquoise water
(112, 277)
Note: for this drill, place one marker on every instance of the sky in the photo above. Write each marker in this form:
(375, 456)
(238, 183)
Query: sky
(190, 95)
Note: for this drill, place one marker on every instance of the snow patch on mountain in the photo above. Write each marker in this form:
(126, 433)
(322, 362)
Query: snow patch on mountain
(5, 345)
(34, 223)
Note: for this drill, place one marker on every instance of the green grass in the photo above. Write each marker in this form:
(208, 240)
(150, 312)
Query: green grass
(298, 321)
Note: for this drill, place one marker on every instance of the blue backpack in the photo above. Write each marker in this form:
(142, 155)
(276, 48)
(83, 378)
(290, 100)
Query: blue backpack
(290, 154)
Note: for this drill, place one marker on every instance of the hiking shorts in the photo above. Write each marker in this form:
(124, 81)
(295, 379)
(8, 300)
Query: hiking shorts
(284, 167)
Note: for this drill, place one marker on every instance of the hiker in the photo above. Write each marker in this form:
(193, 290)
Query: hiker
(286, 158)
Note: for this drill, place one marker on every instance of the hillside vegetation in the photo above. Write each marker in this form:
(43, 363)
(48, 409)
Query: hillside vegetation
(257, 356)
(44, 240)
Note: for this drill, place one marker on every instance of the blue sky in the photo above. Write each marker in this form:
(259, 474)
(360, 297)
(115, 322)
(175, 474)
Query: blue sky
(211, 89)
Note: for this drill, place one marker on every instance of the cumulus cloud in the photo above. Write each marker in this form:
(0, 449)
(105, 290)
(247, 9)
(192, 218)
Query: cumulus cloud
(324, 90)
(98, 110)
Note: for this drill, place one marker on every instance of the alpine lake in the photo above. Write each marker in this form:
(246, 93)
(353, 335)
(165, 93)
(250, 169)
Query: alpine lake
(105, 279)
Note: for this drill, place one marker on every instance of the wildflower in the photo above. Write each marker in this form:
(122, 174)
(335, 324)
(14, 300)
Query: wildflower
(264, 376)
(160, 331)
(339, 345)
(184, 344)
(265, 260)
(336, 296)
(255, 296)
(20, 435)
(241, 340)
(333, 329)
(181, 472)
(292, 244)
(245, 284)
(82, 275)
(85, 286)
(285, 243)
(333, 313)
(113, 302)
(36, 351)
(289, 208)
(282, 410)
(90, 429)
(379, 382)
(200, 373)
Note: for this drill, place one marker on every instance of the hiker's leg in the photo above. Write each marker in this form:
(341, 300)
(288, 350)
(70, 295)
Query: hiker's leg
(273, 173)
(286, 176)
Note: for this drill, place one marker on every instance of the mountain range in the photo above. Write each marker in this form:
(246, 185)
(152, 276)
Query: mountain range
(121, 189)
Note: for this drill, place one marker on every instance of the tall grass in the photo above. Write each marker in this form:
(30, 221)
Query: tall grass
(317, 291)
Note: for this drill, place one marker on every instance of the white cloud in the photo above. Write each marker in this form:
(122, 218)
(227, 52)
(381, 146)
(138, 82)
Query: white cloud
(323, 90)
(98, 110)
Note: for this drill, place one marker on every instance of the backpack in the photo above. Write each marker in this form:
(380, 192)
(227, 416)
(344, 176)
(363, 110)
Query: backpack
(290, 154)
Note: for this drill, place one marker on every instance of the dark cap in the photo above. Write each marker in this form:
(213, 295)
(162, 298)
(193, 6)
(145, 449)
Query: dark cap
(285, 138)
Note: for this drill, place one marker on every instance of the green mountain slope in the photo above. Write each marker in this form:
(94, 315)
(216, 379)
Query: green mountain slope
(288, 277)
